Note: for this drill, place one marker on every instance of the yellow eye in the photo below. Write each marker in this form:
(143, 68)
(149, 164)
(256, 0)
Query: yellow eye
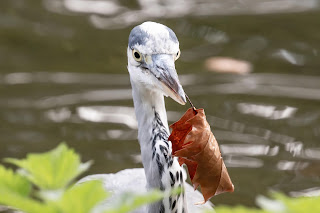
(177, 55)
(136, 55)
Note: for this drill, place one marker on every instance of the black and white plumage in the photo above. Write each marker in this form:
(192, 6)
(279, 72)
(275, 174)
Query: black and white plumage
(152, 51)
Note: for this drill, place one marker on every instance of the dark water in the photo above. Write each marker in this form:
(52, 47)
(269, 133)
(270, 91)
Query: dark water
(63, 78)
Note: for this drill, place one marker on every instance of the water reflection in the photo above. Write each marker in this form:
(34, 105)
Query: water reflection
(117, 134)
(312, 153)
(96, 95)
(295, 148)
(265, 111)
(249, 149)
(243, 162)
(270, 85)
(95, 7)
(293, 58)
(251, 144)
(259, 141)
(69, 99)
(95, 114)
(111, 14)
(311, 192)
(64, 78)
(109, 114)
(59, 115)
(291, 165)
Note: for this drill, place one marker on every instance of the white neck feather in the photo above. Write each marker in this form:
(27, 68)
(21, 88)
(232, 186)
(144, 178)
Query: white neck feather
(146, 103)
(162, 170)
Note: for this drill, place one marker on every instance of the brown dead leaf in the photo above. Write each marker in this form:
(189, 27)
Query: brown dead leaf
(195, 145)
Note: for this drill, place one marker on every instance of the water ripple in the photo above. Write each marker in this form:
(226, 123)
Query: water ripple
(63, 78)
(111, 14)
(271, 85)
(109, 114)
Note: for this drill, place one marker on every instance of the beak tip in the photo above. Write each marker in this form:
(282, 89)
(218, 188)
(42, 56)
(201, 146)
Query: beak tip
(184, 100)
(182, 97)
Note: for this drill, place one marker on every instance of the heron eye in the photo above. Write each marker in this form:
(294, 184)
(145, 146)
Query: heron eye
(177, 55)
(136, 55)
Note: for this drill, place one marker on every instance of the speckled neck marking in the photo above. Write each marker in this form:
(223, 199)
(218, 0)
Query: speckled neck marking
(170, 172)
(162, 170)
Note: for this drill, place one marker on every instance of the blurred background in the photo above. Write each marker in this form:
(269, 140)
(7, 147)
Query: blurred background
(252, 65)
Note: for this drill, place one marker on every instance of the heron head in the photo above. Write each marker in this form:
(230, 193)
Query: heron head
(152, 51)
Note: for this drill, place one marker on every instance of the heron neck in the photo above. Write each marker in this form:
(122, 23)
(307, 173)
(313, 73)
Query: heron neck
(162, 170)
(152, 118)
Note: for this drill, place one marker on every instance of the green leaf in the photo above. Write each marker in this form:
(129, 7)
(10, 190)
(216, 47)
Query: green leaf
(16, 183)
(82, 198)
(236, 209)
(25, 204)
(14, 192)
(131, 201)
(52, 170)
(300, 204)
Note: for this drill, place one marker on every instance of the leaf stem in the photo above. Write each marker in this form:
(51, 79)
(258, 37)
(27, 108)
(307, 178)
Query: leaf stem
(194, 109)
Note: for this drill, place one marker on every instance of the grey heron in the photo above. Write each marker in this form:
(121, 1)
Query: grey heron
(152, 51)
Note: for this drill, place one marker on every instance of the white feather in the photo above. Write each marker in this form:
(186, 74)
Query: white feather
(134, 180)
(159, 40)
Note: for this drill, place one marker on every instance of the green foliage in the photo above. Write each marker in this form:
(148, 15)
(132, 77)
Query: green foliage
(299, 204)
(82, 198)
(14, 192)
(11, 181)
(52, 173)
(237, 209)
(280, 204)
(51, 170)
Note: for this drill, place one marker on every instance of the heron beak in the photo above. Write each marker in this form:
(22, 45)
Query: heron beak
(163, 68)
